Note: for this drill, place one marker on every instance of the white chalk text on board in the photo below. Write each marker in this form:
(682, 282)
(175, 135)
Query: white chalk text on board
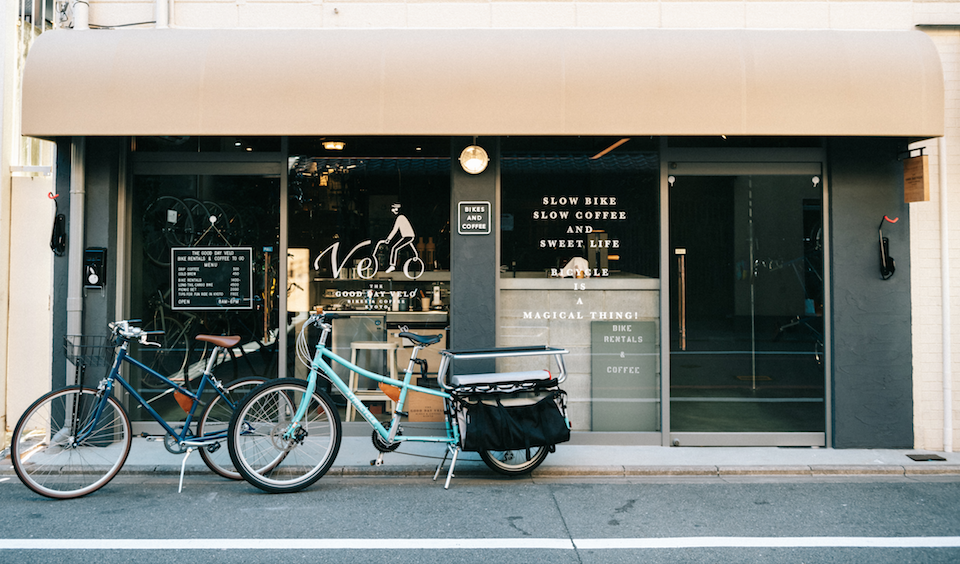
(212, 278)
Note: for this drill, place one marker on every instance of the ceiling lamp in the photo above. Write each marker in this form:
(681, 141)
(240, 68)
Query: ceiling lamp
(334, 145)
(474, 159)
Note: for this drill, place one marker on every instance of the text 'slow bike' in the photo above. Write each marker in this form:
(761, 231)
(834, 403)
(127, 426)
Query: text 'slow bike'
(72, 441)
(286, 433)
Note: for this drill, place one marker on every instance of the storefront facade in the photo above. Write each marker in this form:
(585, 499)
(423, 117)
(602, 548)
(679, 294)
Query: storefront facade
(698, 230)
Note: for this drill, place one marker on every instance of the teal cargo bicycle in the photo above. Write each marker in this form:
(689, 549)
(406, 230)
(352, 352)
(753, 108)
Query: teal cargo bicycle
(285, 435)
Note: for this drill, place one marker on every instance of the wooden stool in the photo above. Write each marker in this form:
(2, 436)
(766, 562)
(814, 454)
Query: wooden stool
(376, 394)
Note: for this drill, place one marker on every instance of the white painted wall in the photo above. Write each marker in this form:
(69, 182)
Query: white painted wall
(8, 16)
(926, 265)
(31, 267)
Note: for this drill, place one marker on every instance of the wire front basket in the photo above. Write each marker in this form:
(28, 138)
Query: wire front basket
(89, 350)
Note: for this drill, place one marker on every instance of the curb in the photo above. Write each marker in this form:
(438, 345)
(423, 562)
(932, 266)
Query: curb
(480, 471)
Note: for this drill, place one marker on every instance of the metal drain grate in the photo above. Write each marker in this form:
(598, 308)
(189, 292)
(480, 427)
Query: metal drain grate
(926, 457)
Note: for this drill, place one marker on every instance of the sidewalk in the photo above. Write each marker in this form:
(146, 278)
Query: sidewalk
(417, 459)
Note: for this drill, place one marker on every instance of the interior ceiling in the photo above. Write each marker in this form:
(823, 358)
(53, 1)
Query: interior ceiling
(532, 163)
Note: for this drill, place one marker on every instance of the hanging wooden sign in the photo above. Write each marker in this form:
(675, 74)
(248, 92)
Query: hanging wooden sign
(916, 179)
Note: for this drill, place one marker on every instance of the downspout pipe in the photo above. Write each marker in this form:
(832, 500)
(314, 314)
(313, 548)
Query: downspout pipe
(162, 16)
(75, 242)
(81, 14)
(945, 299)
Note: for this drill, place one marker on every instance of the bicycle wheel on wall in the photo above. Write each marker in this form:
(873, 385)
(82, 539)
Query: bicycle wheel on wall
(45, 452)
(267, 458)
(167, 222)
(216, 420)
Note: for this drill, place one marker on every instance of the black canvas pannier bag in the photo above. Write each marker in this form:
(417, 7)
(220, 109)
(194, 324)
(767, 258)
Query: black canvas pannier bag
(509, 422)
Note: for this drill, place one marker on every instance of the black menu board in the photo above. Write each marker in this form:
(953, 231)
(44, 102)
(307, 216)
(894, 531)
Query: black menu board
(212, 278)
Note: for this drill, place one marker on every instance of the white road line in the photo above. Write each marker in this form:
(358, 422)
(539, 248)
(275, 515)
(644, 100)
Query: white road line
(474, 544)
(770, 542)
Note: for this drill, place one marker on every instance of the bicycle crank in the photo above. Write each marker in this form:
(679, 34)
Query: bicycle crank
(172, 444)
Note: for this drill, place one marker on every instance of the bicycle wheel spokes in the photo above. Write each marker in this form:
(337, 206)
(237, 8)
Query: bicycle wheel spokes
(60, 448)
(215, 422)
(270, 451)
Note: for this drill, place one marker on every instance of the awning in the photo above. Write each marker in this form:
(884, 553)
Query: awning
(483, 82)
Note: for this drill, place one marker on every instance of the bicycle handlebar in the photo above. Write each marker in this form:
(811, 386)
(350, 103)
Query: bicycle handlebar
(124, 328)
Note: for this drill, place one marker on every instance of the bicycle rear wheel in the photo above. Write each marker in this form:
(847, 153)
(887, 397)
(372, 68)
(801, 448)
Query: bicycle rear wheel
(45, 452)
(514, 462)
(270, 452)
(215, 420)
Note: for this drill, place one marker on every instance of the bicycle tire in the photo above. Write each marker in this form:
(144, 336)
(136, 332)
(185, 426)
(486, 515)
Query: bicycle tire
(216, 419)
(514, 462)
(257, 447)
(167, 222)
(48, 463)
(234, 223)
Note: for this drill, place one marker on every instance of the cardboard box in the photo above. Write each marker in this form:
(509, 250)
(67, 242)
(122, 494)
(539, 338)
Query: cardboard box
(424, 407)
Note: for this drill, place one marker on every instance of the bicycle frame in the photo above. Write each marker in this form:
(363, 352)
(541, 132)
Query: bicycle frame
(319, 364)
(122, 356)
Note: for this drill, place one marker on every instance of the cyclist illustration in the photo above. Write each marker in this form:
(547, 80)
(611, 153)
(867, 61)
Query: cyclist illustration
(403, 233)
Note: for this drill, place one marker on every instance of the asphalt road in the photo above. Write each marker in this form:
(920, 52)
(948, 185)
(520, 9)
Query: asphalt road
(824, 520)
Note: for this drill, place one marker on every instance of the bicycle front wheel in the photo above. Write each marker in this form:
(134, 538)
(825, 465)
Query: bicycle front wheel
(65, 447)
(514, 462)
(274, 454)
(215, 422)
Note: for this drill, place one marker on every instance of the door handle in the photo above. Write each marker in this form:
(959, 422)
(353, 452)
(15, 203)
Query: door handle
(682, 295)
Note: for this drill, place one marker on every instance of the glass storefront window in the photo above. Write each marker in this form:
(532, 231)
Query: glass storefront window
(204, 260)
(580, 260)
(369, 238)
(572, 210)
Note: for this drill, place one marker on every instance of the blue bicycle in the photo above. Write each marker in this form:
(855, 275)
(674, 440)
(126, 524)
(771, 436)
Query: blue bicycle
(72, 441)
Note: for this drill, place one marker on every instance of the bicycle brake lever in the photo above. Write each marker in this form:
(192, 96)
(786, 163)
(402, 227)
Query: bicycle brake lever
(143, 341)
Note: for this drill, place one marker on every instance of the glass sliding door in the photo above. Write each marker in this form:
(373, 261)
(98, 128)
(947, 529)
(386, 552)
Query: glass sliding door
(746, 307)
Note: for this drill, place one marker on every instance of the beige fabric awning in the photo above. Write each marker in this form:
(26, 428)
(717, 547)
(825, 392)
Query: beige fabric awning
(483, 82)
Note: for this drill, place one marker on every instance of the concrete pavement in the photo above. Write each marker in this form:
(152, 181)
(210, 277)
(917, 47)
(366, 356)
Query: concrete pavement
(420, 459)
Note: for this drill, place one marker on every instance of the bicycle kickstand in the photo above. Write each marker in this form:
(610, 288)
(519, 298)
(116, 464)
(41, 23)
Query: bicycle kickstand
(440, 466)
(183, 466)
(453, 462)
